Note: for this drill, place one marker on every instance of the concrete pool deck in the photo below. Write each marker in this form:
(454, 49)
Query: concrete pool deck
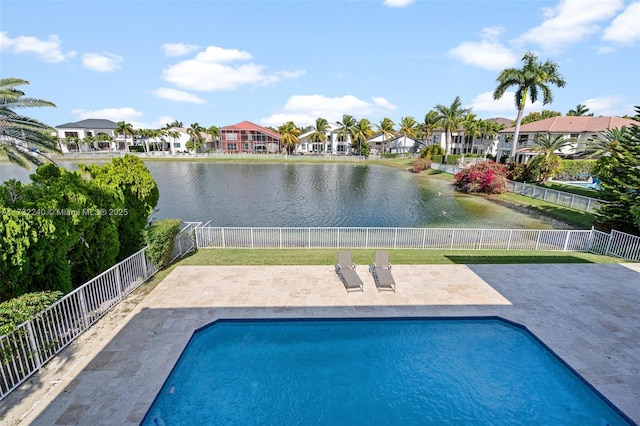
(587, 313)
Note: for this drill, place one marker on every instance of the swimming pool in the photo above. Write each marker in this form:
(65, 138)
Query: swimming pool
(374, 371)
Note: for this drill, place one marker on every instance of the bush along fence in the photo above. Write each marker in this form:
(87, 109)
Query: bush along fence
(573, 201)
(34, 342)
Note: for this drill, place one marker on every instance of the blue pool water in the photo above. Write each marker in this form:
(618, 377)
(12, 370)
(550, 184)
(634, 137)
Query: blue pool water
(382, 371)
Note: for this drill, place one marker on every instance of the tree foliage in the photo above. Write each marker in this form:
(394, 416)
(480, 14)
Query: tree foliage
(160, 237)
(65, 227)
(487, 177)
(619, 174)
(537, 116)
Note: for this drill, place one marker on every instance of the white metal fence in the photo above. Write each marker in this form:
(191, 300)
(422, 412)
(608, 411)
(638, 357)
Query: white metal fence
(574, 201)
(39, 339)
(185, 240)
(393, 238)
(618, 244)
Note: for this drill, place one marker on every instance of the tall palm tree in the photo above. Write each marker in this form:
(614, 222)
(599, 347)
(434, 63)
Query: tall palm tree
(408, 128)
(175, 123)
(534, 76)
(319, 134)
(362, 132)
(386, 127)
(195, 136)
(472, 129)
(23, 140)
(548, 146)
(580, 111)
(430, 122)
(124, 129)
(450, 119)
(214, 132)
(290, 133)
(173, 134)
(345, 128)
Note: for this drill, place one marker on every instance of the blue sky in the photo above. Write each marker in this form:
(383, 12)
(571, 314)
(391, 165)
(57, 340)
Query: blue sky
(221, 62)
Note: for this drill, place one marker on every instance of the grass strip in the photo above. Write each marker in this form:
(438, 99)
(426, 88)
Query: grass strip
(206, 257)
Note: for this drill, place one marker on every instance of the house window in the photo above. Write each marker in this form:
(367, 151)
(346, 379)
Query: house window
(245, 147)
(89, 133)
(341, 149)
(176, 144)
(575, 135)
(232, 146)
(232, 136)
(70, 134)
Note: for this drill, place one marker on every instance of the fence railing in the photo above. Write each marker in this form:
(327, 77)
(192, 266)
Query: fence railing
(37, 340)
(393, 238)
(618, 244)
(185, 240)
(567, 199)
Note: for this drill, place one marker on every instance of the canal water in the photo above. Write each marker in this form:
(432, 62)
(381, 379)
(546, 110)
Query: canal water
(316, 195)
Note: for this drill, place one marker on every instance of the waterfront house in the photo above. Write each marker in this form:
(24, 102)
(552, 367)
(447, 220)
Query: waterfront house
(91, 127)
(247, 137)
(579, 129)
(333, 143)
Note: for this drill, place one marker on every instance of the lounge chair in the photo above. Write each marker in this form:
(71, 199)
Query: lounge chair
(346, 270)
(381, 271)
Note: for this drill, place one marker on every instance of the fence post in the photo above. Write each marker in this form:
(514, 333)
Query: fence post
(366, 239)
(309, 238)
(280, 235)
(34, 345)
(119, 281)
(195, 231)
(395, 238)
(252, 238)
(509, 243)
(589, 205)
(481, 239)
(424, 237)
(224, 241)
(145, 272)
(606, 251)
(566, 241)
(83, 307)
(453, 232)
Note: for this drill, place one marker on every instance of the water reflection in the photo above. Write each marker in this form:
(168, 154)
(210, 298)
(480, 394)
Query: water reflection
(256, 194)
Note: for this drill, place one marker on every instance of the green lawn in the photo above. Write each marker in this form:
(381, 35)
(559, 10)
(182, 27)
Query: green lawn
(399, 257)
(578, 190)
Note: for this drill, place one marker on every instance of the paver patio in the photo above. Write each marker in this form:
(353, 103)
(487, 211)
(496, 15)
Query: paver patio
(588, 314)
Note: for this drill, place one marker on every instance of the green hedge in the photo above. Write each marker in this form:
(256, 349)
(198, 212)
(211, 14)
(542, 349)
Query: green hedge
(575, 169)
(160, 237)
(437, 158)
(15, 311)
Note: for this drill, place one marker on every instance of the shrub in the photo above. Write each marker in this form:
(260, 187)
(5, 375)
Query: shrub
(14, 312)
(432, 150)
(520, 172)
(438, 158)
(420, 164)
(453, 159)
(575, 169)
(160, 236)
(487, 177)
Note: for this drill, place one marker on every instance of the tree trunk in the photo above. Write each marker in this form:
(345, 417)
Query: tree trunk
(516, 134)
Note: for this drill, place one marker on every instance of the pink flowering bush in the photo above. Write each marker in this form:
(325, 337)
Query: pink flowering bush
(487, 178)
(420, 164)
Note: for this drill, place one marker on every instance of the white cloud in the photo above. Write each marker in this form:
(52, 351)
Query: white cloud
(491, 33)
(305, 109)
(570, 22)
(127, 114)
(177, 95)
(47, 50)
(608, 106)
(102, 62)
(625, 28)
(213, 70)
(397, 3)
(503, 107)
(484, 54)
(178, 49)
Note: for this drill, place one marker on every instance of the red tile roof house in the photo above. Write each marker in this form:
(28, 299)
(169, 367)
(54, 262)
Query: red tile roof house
(579, 128)
(247, 137)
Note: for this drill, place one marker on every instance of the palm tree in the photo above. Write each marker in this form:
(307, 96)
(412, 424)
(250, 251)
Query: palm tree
(195, 137)
(173, 134)
(125, 129)
(290, 133)
(580, 111)
(175, 123)
(534, 76)
(362, 132)
(319, 134)
(488, 131)
(430, 122)
(387, 129)
(450, 119)
(607, 142)
(346, 126)
(408, 128)
(472, 129)
(23, 140)
(214, 132)
(547, 145)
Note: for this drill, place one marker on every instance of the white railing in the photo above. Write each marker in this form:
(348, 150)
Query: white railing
(185, 241)
(394, 238)
(567, 199)
(36, 341)
(618, 244)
